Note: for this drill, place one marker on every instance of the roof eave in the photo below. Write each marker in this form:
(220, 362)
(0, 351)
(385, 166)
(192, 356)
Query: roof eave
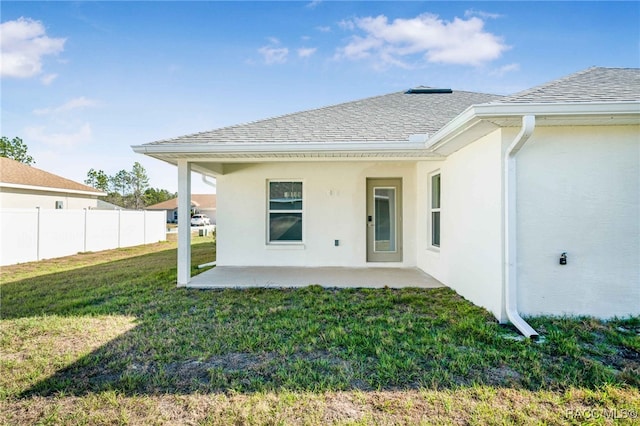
(292, 150)
(50, 189)
(480, 119)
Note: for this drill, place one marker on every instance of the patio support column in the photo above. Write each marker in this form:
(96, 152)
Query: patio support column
(184, 223)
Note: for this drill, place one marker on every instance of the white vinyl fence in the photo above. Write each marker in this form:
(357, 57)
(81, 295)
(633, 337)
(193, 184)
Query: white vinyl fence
(35, 234)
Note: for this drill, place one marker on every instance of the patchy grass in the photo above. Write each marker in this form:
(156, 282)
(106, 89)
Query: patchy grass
(107, 338)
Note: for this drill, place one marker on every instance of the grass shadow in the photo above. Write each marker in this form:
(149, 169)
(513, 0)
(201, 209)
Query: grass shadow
(309, 339)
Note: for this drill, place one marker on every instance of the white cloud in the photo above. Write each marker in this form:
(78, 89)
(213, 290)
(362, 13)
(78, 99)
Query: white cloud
(499, 72)
(76, 103)
(314, 4)
(324, 29)
(347, 24)
(23, 43)
(481, 14)
(273, 53)
(59, 139)
(48, 79)
(306, 52)
(460, 42)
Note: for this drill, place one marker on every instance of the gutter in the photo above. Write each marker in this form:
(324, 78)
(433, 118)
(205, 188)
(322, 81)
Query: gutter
(51, 189)
(476, 113)
(510, 237)
(278, 148)
(208, 182)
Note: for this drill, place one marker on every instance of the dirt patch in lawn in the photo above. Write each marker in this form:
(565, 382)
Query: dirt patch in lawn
(217, 371)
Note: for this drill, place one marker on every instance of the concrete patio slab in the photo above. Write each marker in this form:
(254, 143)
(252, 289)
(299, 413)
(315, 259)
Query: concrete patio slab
(281, 277)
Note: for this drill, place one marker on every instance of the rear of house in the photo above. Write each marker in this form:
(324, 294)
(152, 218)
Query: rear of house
(577, 193)
(485, 193)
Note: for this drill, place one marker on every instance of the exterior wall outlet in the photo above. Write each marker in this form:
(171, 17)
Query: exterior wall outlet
(563, 258)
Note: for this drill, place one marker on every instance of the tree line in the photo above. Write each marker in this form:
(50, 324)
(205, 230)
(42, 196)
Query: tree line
(127, 189)
(15, 149)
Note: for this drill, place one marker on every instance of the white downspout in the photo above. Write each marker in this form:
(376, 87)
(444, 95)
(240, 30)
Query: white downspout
(510, 226)
(208, 182)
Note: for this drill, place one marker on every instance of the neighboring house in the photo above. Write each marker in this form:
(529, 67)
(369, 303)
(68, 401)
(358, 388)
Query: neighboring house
(200, 203)
(487, 194)
(104, 205)
(23, 186)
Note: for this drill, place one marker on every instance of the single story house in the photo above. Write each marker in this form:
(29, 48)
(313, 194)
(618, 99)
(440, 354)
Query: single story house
(200, 203)
(23, 186)
(525, 204)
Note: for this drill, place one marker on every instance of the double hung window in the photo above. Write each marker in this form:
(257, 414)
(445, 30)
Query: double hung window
(435, 210)
(285, 212)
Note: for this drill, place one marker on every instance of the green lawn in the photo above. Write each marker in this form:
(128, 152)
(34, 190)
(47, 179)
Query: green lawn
(107, 338)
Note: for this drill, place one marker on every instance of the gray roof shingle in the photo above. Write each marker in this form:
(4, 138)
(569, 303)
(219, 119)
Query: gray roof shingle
(397, 116)
(594, 84)
(387, 118)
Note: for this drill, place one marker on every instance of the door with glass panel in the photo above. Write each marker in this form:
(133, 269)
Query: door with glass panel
(384, 220)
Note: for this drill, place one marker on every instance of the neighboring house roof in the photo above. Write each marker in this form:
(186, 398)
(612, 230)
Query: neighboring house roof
(14, 174)
(387, 118)
(203, 201)
(594, 84)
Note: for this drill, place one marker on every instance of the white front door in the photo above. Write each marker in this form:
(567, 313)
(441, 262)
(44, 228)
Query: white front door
(384, 220)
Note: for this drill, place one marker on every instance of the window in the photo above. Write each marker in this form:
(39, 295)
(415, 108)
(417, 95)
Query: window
(435, 210)
(285, 212)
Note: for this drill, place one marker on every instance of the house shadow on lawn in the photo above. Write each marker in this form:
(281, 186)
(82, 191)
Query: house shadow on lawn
(307, 339)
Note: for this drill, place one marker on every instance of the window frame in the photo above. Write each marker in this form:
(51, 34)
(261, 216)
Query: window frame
(435, 210)
(301, 211)
(393, 216)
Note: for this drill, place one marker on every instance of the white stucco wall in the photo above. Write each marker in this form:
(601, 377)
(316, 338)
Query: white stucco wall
(334, 209)
(579, 192)
(470, 256)
(13, 198)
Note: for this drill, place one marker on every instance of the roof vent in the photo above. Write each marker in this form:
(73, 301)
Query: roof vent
(422, 89)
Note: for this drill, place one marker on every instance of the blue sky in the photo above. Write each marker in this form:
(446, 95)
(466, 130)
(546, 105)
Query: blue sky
(83, 81)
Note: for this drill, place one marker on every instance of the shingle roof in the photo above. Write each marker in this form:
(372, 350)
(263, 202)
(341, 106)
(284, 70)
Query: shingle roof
(14, 172)
(397, 116)
(387, 118)
(594, 84)
(204, 201)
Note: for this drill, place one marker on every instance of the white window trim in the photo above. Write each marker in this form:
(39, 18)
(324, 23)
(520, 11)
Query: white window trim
(432, 210)
(284, 244)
